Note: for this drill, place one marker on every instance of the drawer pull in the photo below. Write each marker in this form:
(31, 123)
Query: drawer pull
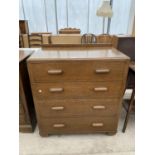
(100, 89)
(99, 107)
(55, 72)
(59, 125)
(102, 71)
(57, 108)
(97, 124)
(55, 90)
(39, 91)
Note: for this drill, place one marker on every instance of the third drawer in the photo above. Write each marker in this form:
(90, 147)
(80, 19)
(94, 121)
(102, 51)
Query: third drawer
(87, 107)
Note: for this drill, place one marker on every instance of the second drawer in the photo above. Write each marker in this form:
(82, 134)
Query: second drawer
(78, 90)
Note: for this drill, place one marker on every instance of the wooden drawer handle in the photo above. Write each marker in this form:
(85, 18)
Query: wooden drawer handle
(102, 71)
(100, 89)
(55, 90)
(97, 124)
(99, 107)
(58, 108)
(55, 72)
(58, 125)
(39, 91)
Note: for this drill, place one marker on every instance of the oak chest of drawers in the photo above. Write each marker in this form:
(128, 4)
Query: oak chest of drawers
(78, 91)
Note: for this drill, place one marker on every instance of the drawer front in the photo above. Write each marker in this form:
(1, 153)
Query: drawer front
(77, 90)
(79, 125)
(67, 108)
(76, 71)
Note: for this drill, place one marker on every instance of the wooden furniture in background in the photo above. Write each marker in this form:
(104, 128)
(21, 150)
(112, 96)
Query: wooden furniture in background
(27, 118)
(45, 40)
(66, 39)
(41, 33)
(78, 91)
(126, 44)
(132, 99)
(21, 43)
(88, 39)
(46, 36)
(104, 38)
(70, 47)
(25, 40)
(23, 27)
(35, 40)
(69, 31)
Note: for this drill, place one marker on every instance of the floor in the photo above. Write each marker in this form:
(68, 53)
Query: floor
(97, 144)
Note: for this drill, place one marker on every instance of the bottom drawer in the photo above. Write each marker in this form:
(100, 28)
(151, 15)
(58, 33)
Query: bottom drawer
(78, 125)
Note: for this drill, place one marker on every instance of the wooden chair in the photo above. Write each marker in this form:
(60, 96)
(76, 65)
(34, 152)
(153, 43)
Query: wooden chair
(130, 104)
(88, 39)
(104, 38)
(35, 40)
(69, 31)
(46, 36)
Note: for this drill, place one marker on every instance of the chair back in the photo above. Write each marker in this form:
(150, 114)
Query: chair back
(104, 38)
(35, 40)
(88, 39)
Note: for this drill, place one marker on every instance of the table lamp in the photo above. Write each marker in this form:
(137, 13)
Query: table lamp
(105, 11)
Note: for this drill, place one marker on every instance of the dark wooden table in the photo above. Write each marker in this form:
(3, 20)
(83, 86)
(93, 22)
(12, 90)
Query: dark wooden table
(27, 119)
(130, 104)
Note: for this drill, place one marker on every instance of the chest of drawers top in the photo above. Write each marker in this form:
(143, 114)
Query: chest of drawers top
(23, 54)
(95, 54)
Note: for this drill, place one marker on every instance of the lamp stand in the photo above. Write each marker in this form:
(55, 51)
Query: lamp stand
(106, 26)
(109, 22)
(103, 24)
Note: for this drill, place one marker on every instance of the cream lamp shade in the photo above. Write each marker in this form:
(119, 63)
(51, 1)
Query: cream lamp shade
(105, 10)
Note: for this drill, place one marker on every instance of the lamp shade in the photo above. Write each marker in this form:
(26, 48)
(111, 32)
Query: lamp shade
(105, 10)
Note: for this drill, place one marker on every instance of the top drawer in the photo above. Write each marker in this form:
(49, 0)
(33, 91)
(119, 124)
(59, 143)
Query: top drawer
(53, 71)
